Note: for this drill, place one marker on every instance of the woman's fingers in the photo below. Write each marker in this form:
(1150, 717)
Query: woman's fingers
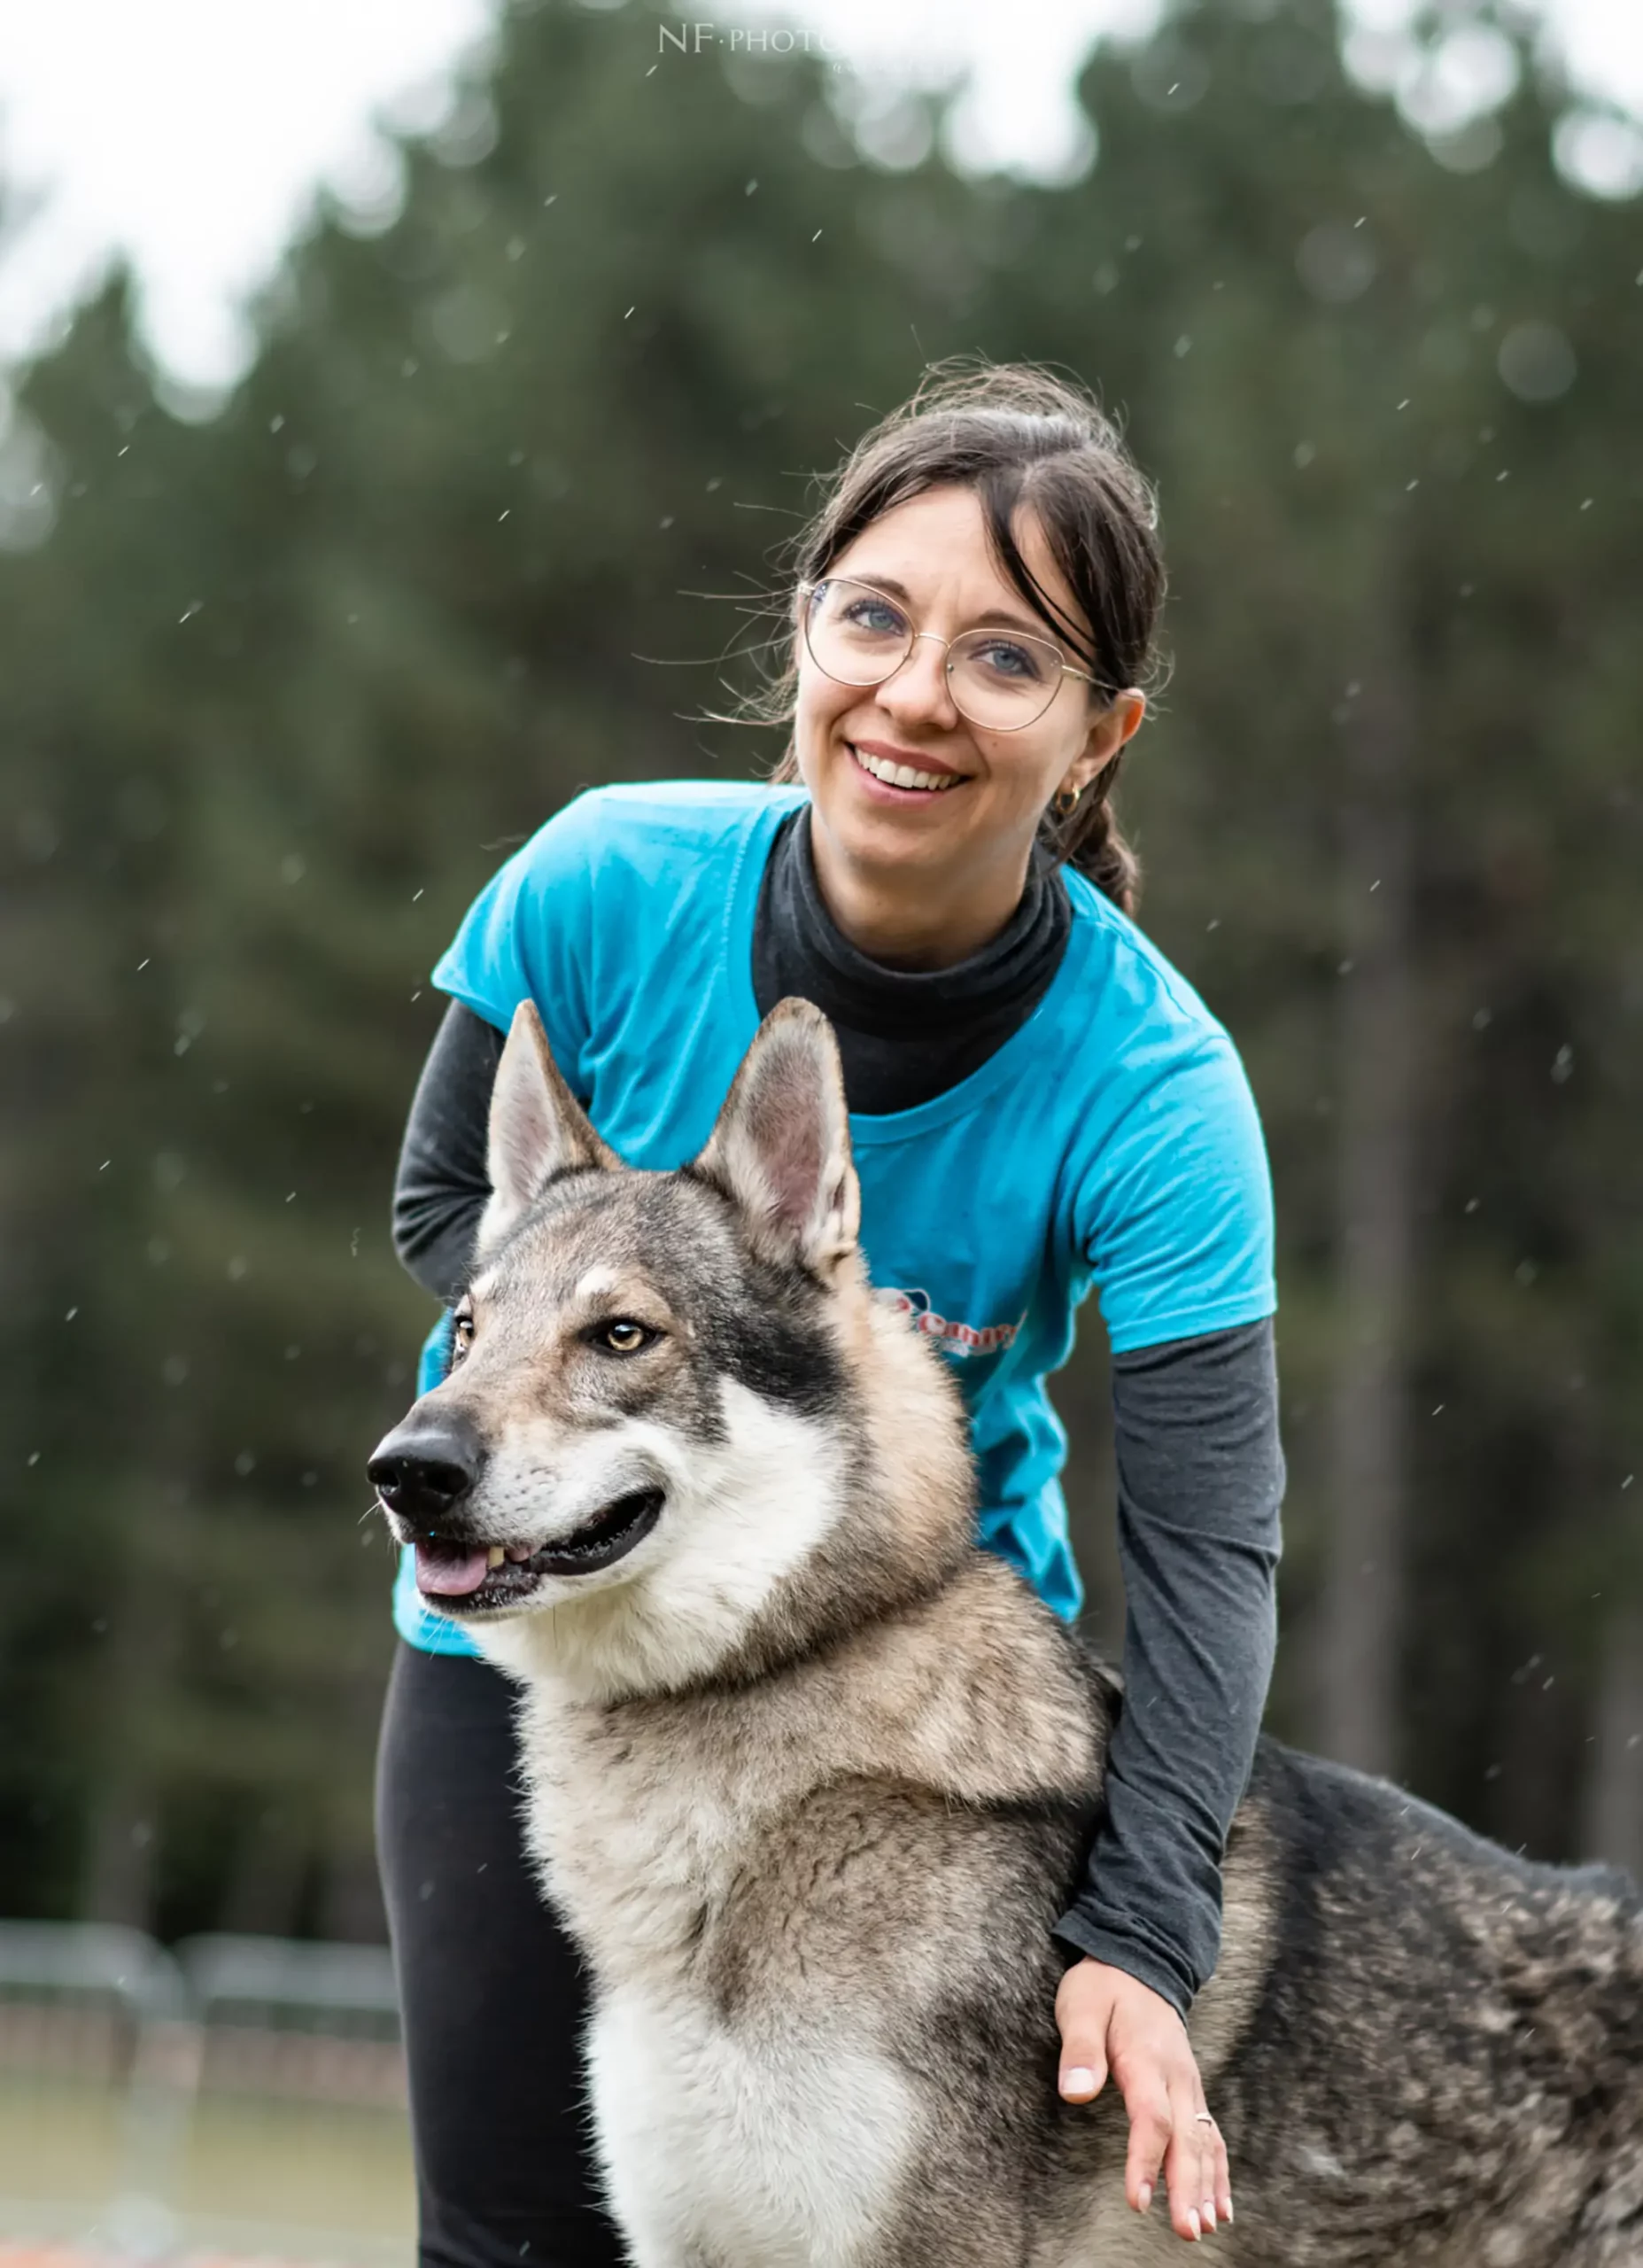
(1082, 2015)
(1083, 2071)
(1171, 2134)
(1222, 2176)
(1083, 2054)
(1205, 2192)
(1182, 2168)
(1151, 2129)
(1209, 2188)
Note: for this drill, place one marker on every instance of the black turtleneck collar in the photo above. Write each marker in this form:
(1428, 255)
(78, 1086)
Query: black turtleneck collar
(905, 1034)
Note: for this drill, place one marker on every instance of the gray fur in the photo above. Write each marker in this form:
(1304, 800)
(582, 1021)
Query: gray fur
(811, 1778)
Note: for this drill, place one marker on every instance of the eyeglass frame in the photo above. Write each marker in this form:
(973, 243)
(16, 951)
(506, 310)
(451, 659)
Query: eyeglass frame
(947, 645)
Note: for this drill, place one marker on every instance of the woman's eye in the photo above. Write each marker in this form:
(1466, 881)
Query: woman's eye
(885, 622)
(626, 1338)
(1011, 660)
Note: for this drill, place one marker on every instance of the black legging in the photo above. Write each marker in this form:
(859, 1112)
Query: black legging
(492, 1995)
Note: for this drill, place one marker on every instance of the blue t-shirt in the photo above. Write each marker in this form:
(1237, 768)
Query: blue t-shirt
(1111, 1143)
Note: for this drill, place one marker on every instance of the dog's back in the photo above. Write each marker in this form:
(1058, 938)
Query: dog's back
(1446, 2061)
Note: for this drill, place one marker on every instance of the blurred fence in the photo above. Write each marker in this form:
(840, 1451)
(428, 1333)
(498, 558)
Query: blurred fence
(234, 2098)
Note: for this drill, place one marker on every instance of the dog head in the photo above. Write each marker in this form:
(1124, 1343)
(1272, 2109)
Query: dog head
(679, 1434)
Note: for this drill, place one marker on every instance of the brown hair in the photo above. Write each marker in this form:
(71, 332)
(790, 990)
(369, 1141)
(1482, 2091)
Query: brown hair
(1018, 435)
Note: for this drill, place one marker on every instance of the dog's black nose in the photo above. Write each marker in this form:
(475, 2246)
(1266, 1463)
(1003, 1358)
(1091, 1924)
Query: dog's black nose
(422, 1470)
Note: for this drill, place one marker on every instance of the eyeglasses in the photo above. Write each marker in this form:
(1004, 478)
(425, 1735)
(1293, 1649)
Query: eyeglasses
(1000, 680)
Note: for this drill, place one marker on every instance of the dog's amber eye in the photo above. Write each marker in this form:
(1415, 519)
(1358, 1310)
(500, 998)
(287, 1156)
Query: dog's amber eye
(461, 1335)
(624, 1337)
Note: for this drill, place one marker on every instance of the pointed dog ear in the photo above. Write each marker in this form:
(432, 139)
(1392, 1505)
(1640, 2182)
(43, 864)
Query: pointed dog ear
(538, 1129)
(781, 1147)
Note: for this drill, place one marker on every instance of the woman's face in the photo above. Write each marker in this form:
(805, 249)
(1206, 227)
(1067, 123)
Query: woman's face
(931, 554)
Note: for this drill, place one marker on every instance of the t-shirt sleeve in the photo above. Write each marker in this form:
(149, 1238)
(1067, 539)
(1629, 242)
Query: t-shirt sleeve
(1173, 1213)
(529, 935)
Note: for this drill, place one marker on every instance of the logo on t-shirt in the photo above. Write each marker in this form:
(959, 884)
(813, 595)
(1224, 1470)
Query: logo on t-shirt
(963, 1339)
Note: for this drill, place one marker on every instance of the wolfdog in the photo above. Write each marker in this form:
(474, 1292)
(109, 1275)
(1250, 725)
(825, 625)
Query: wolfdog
(809, 1777)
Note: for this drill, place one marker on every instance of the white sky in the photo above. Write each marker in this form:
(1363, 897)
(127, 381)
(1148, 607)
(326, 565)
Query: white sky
(190, 134)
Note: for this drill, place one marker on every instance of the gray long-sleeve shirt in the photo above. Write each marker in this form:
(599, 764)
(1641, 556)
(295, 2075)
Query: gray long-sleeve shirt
(1200, 1471)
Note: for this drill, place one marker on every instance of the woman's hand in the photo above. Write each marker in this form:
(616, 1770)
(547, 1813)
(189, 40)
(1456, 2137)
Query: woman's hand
(1112, 2022)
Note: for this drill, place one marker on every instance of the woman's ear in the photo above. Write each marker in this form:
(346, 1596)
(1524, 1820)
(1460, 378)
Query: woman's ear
(1118, 724)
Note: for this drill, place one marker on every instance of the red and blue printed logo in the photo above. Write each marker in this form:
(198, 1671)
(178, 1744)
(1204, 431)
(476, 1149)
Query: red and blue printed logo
(961, 1339)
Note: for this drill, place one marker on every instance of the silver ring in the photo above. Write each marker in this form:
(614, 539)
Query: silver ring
(1202, 2118)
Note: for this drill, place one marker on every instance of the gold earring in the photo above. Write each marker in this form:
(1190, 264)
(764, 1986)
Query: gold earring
(1067, 803)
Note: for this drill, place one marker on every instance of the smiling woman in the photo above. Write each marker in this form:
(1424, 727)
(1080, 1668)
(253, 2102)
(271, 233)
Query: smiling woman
(1038, 1106)
(1053, 542)
(987, 722)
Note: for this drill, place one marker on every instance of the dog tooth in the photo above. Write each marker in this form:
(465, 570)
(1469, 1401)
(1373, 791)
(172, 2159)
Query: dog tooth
(495, 1555)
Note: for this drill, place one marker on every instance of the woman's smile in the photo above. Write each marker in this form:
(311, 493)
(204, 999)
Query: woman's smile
(901, 775)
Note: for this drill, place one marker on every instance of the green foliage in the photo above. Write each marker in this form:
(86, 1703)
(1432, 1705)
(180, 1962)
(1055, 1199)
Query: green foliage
(282, 688)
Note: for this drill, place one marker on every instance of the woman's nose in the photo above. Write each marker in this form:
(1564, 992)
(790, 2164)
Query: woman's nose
(920, 687)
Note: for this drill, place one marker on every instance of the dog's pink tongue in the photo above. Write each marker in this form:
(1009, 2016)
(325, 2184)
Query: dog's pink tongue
(450, 1578)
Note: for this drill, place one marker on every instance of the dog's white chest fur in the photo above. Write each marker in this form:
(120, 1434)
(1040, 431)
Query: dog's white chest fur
(776, 2148)
(753, 2138)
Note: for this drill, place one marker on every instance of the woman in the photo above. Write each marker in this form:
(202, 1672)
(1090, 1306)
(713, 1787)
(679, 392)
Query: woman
(1039, 1104)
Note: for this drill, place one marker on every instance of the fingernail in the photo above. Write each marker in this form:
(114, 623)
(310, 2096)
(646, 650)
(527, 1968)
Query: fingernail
(1193, 2221)
(1227, 2211)
(1209, 2214)
(1077, 2082)
(1145, 2194)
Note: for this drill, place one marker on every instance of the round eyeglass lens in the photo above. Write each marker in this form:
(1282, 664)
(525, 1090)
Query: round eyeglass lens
(855, 633)
(999, 678)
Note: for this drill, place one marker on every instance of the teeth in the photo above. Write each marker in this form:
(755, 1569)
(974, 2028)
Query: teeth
(518, 1552)
(495, 1555)
(903, 775)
